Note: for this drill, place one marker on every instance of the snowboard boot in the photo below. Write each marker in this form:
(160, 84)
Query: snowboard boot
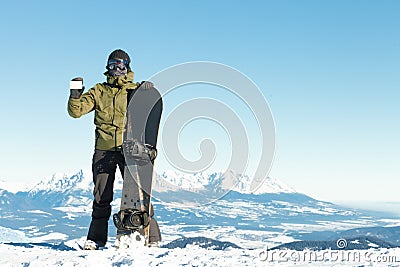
(92, 245)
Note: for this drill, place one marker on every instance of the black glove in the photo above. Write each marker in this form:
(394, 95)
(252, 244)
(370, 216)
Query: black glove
(152, 152)
(75, 91)
(145, 85)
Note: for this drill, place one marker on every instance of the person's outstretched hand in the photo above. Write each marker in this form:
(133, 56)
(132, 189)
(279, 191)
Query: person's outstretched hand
(76, 89)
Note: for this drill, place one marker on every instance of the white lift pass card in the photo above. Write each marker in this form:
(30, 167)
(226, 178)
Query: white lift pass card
(75, 84)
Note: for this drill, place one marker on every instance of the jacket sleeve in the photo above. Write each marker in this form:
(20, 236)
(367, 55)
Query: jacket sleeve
(83, 105)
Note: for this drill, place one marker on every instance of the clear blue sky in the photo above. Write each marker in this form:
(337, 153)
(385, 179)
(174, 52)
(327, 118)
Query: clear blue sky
(329, 70)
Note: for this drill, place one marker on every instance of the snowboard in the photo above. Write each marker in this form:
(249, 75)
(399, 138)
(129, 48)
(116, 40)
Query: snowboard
(135, 218)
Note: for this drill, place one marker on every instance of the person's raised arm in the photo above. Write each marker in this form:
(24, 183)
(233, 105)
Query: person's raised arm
(79, 104)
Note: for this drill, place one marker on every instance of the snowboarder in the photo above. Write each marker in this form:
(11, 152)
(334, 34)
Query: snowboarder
(109, 100)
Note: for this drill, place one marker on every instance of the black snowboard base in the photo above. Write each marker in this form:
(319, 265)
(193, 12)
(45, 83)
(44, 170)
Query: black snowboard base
(135, 218)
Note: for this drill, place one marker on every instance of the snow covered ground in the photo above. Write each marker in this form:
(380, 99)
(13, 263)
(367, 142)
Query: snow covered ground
(69, 253)
(44, 226)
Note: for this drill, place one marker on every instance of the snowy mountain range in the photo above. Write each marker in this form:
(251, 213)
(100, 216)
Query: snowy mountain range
(230, 180)
(167, 181)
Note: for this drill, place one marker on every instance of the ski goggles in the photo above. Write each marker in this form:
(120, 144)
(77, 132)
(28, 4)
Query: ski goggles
(117, 63)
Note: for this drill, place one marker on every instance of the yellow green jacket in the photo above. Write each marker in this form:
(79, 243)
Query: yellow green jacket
(109, 101)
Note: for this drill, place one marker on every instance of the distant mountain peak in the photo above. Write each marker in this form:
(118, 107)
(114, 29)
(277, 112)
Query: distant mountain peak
(62, 182)
(225, 181)
(273, 185)
(14, 187)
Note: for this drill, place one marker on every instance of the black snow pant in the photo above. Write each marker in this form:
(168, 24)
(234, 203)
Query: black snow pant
(104, 166)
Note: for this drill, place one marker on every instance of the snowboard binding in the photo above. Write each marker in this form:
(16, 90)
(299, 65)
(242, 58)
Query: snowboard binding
(131, 219)
(140, 153)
